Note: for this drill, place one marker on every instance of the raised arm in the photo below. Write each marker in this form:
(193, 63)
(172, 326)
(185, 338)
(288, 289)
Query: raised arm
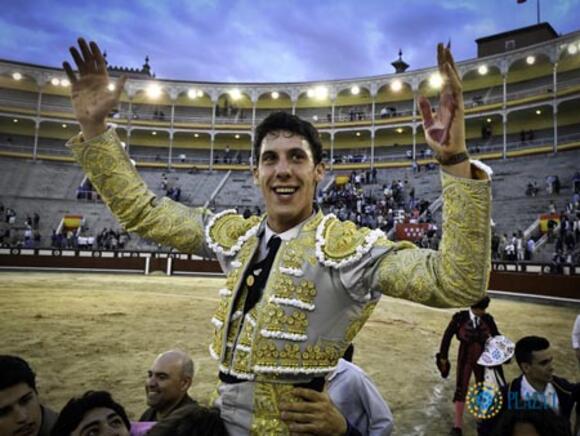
(100, 153)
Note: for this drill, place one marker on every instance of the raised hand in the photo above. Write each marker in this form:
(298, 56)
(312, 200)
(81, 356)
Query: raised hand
(445, 130)
(91, 98)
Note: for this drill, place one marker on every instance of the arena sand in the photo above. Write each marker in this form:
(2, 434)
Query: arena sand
(97, 331)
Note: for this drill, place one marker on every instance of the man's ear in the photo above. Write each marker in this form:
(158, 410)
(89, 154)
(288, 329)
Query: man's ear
(319, 171)
(186, 383)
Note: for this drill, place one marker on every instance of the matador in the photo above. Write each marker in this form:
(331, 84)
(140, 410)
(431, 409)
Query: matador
(299, 284)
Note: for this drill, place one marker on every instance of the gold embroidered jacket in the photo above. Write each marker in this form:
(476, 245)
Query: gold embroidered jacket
(323, 284)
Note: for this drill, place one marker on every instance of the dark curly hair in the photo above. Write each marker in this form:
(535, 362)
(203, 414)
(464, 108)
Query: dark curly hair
(15, 370)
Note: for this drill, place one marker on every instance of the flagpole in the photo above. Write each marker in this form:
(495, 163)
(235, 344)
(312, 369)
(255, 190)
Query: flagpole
(538, 8)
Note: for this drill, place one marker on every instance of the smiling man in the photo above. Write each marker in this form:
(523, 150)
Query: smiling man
(299, 284)
(167, 384)
(21, 413)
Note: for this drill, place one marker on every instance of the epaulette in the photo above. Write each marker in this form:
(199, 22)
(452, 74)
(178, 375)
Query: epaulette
(339, 243)
(227, 231)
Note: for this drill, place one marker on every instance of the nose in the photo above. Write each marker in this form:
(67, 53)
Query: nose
(282, 168)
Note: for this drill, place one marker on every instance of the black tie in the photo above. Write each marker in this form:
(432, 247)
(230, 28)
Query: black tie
(258, 273)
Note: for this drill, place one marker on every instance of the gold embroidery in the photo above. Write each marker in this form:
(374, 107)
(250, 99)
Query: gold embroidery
(341, 239)
(228, 229)
(275, 319)
(300, 250)
(313, 356)
(266, 419)
(284, 287)
(357, 323)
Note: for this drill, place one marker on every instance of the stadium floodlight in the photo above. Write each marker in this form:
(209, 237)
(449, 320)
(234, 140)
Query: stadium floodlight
(482, 70)
(321, 92)
(355, 90)
(488, 120)
(55, 81)
(275, 95)
(111, 87)
(153, 91)
(192, 93)
(235, 94)
(196, 135)
(315, 118)
(154, 133)
(538, 112)
(64, 83)
(237, 136)
(399, 130)
(64, 126)
(16, 75)
(310, 93)
(357, 133)
(572, 49)
(531, 60)
(199, 93)
(436, 80)
(15, 120)
(396, 85)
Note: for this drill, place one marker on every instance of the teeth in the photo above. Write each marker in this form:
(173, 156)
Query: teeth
(285, 190)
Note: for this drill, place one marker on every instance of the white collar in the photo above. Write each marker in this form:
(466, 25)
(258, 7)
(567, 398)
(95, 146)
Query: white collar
(549, 395)
(472, 316)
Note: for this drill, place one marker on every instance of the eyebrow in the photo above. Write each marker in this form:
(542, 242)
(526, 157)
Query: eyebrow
(88, 425)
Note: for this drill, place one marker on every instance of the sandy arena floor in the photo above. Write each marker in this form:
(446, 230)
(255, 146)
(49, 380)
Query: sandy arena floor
(97, 331)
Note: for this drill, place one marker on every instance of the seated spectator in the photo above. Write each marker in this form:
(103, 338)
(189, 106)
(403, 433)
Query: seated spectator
(167, 384)
(20, 410)
(358, 399)
(93, 414)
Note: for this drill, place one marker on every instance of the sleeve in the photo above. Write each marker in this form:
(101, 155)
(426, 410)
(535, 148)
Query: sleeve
(138, 210)
(455, 276)
(493, 326)
(450, 331)
(381, 420)
(576, 334)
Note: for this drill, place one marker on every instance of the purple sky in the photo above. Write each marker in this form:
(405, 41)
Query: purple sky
(265, 40)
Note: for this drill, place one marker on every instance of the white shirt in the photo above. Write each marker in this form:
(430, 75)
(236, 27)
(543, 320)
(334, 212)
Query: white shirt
(474, 318)
(527, 391)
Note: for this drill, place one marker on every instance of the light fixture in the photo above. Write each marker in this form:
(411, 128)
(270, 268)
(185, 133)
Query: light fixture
(310, 93)
(275, 95)
(572, 49)
(355, 90)
(399, 130)
(538, 112)
(483, 70)
(111, 87)
(530, 60)
(488, 120)
(64, 83)
(15, 120)
(192, 93)
(124, 145)
(357, 133)
(196, 135)
(64, 126)
(315, 117)
(55, 81)
(153, 91)
(154, 133)
(435, 80)
(16, 75)
(199, 93)
(235, 94)
(237, 136)
(321, 92)
(396, 85)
